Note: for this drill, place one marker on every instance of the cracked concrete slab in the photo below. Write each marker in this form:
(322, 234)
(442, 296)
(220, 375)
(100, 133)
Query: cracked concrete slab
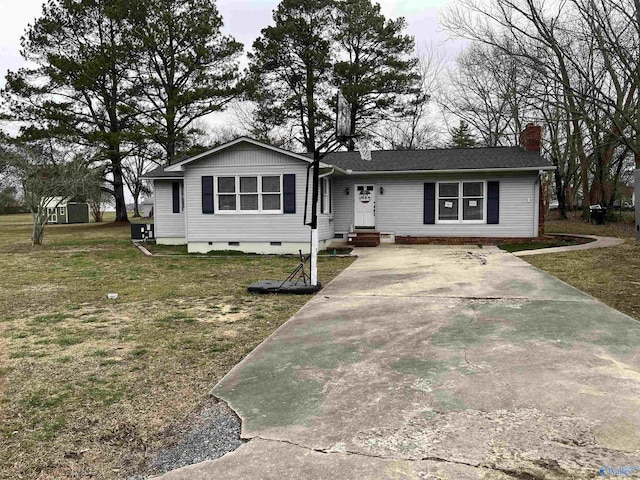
(459, 356)
(296, 462)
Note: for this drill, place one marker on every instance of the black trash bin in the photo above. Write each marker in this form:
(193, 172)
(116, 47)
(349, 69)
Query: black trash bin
(597, 214)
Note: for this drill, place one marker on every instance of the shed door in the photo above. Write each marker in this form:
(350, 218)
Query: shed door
(365, 206)
(53, 217)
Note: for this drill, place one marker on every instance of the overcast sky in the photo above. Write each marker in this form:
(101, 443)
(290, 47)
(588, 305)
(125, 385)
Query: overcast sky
(242, 18)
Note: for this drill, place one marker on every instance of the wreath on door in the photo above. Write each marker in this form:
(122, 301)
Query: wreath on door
(364, 196)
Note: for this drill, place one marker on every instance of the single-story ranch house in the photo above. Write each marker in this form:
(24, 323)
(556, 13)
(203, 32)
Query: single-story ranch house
(249, 196)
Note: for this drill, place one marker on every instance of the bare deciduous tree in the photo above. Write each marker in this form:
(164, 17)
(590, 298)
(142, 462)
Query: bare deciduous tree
(48, 177)
(591, 48)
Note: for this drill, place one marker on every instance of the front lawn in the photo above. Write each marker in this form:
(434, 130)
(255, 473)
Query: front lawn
(608, 274)
(89, 386)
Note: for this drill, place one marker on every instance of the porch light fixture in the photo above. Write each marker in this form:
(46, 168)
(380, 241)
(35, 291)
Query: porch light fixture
(346, 191)
(381, 190)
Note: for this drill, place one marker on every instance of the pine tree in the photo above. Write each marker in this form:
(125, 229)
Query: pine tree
(79, 82)
(318, 47)
(461, 136)
(289, 68)
(187, 68)
(377, 65)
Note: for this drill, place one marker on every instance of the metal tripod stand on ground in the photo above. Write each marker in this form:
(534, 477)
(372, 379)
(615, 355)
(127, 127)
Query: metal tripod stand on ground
(299, 273)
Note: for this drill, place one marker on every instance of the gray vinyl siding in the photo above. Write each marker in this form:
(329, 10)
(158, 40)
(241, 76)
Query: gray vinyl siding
(246, 155)
(400, 209)
(167, 223)
(263, 227)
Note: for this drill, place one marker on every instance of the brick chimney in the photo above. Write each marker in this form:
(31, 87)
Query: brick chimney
(531, 138)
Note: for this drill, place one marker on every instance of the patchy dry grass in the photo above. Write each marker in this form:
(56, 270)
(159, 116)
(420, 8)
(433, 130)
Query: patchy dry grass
(608, 274)
(88, 385)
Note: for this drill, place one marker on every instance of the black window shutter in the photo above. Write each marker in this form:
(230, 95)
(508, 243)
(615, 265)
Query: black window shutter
(175, 190)
(289, 193)
(207, 194)
(429, 203)
(493, 202)
(322, 195)
(330, 194)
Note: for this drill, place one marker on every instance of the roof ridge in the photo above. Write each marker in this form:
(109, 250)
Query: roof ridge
(442, 149)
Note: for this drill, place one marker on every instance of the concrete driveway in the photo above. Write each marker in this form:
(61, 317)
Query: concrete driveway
(438, 362)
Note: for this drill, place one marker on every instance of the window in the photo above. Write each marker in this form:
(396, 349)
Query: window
(461, 202)
(249, 194)
(271, 193)
(448, 201)
(61, 211)
(226, 194)
(325, 196)
(177, 200)
(473, 201)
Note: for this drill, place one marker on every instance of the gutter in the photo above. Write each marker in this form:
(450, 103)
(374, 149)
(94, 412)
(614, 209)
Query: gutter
(162, 178)
(457, 170)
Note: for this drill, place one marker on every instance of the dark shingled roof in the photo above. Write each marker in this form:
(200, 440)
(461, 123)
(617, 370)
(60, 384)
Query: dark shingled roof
(438, 159)
(422, 160)
(160, 173)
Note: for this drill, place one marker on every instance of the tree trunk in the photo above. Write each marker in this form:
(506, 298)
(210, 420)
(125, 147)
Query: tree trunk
(136, 207)
(96, 212)
(311, 109)
(170, 146)
(636, 190)
(39, 221)
(118, 187)
(561, 194)
(38, 234)
(584, 178)
(351, 144)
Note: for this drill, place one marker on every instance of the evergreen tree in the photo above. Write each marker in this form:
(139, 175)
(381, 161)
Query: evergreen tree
(78, 84)
(289, 68)
(187, 68)
(461, 136)
(376, 65)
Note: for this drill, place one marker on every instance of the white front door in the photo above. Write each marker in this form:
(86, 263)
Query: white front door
(365, 206)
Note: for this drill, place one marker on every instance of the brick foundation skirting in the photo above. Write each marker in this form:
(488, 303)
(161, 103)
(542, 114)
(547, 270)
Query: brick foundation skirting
(463, 240)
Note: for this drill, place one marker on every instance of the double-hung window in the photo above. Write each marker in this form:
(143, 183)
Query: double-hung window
(249, 194)
(461, 202)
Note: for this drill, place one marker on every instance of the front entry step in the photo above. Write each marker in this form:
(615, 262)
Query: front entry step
(363, 239)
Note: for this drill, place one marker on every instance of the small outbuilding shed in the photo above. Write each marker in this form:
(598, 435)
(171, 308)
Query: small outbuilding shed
(62, 211)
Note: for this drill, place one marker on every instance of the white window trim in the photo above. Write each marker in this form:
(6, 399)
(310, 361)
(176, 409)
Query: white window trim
(460, 199)
(237, 194)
